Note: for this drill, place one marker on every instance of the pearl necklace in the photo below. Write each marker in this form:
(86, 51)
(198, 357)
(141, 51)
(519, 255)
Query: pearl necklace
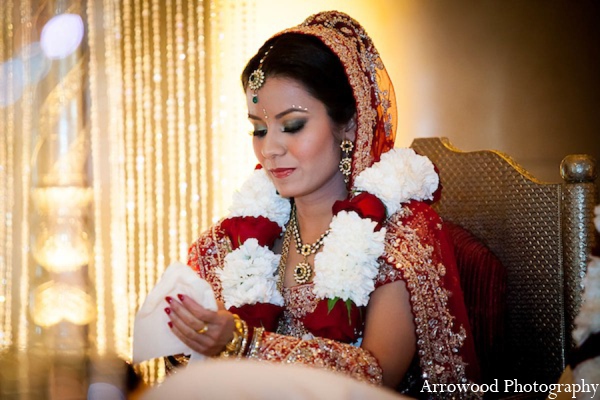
(303, 271)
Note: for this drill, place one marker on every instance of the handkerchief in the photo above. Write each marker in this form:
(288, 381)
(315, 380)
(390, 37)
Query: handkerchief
(152, 337)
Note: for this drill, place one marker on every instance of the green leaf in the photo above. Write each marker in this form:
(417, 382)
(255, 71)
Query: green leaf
(349, 308)
(331, 304)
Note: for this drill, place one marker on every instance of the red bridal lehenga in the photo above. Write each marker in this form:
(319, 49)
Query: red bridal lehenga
(415, 250)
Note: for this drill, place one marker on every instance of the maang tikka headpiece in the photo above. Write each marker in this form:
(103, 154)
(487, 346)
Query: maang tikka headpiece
(257, 77)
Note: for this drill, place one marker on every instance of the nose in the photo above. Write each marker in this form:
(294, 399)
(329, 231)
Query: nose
(272, 144)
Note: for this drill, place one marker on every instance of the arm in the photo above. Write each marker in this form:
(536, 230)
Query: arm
(388, 337)
(356, 362)
(187, 317)
(390, 331)
(386, 352)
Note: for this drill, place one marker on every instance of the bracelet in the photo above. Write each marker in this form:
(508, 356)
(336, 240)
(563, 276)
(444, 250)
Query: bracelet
(240, 336)
(256, 341)
(172, 363)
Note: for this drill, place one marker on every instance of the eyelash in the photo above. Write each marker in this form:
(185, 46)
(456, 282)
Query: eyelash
(293, 128)
(258, 132)
(286, 129)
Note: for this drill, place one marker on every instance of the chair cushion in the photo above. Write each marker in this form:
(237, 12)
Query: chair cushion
(483, 280)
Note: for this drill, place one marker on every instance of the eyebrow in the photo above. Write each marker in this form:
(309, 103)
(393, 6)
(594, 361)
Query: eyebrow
(281, 114)
(289, 110)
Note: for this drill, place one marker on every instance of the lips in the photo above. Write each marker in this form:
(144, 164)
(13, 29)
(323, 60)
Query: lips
(280, 173)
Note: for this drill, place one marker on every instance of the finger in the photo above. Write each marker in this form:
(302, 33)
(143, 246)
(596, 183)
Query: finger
(190, 333)
(196, 309)
(194, 341)
(206, 343)
(184, 319)
(191, 313)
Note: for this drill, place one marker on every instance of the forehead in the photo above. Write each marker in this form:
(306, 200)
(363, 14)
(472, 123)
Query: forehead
(280, 93)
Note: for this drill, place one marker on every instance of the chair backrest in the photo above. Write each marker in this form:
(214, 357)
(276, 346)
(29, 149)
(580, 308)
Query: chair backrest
(541, 232)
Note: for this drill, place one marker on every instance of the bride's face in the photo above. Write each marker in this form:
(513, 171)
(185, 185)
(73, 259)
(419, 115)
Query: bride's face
(296, 141)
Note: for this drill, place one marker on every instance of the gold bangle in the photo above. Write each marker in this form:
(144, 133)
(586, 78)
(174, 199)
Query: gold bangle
(242, 348)
(240, 335)
(172, 363)
(256, 341)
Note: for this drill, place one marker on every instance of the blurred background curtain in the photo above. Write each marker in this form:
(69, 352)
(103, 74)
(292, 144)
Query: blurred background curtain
(110, 160)
(123, 129)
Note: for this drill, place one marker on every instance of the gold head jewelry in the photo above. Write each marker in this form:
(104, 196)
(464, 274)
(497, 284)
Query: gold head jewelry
(303, 271)
(257, 78)
(368, 78)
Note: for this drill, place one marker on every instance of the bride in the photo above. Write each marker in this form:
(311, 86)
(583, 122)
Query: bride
(330, 255)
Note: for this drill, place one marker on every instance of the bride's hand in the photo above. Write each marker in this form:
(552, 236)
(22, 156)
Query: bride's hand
(204, 331)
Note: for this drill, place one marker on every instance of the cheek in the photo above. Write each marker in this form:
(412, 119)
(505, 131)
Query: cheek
(322, 152)
(257, 149)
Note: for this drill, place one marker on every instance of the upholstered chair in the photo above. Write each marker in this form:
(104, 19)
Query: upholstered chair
(522, 248)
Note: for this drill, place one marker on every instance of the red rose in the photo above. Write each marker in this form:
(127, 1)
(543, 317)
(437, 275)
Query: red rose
(258, 315)
(343, 322)
(239, 229)
(366, 205)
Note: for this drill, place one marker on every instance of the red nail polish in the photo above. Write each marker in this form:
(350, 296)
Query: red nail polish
(170, 324)
(168, 310)
(169, 299)
(180, 296)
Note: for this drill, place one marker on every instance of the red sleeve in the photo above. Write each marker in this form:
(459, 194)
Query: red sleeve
(418, 252)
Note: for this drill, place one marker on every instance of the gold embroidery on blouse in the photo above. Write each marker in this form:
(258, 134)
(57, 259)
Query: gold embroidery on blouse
(299, 301)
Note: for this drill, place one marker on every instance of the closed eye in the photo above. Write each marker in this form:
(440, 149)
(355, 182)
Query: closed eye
(259, 132)
(294, 126)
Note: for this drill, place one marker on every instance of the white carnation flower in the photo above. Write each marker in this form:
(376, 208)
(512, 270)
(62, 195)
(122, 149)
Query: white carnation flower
(400, 176)
(588, 319)
(347, 265)
(588, 371)
(258, 197)
(248, 275)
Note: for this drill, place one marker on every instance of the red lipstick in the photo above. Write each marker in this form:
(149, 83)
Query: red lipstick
(280, 173)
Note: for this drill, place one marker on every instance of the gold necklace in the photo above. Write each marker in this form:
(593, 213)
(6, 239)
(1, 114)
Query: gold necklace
(285, 248)
(303, 271)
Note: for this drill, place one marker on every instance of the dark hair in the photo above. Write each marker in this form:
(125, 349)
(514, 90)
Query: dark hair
(309, 61)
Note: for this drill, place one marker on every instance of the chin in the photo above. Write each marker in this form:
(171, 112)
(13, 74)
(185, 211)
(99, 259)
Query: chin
(288, 191)
(284, 193)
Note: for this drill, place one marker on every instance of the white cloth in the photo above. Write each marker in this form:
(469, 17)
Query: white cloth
(152, 337)
(254, 380)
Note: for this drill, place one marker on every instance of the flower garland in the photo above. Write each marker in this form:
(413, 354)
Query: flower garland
(587, 322)
(347, 266)
(257, 218)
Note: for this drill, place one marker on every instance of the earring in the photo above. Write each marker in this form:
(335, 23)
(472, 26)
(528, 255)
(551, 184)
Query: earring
(346, 162)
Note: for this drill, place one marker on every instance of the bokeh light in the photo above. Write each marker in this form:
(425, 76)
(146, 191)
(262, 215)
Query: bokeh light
(35, 63)
(54, 302)
(61, 35)
(11, 81)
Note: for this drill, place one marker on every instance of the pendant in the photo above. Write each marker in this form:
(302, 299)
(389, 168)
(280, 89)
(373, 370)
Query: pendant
(302, 273)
